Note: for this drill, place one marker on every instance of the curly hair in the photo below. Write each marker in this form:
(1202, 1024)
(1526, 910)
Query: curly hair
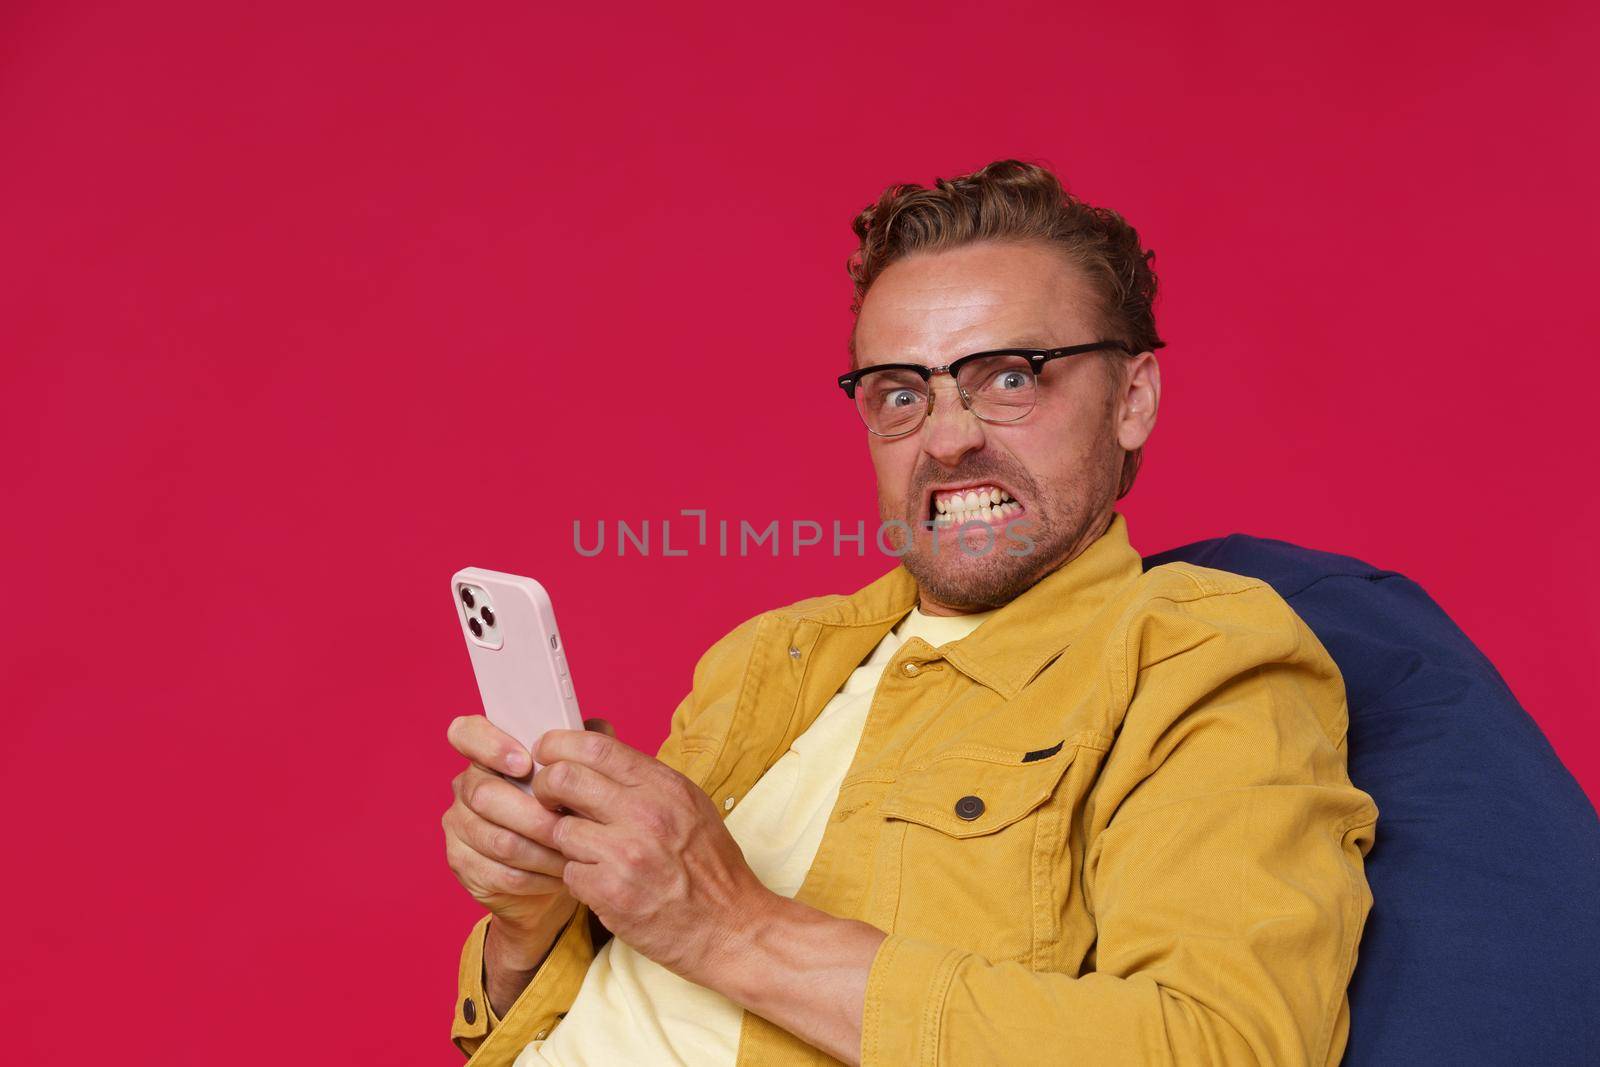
(1009, 200)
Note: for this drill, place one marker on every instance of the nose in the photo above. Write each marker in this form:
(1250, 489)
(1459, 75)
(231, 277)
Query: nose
(951, 431)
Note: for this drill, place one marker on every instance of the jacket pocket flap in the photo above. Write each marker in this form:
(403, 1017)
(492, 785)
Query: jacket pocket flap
(975, 790)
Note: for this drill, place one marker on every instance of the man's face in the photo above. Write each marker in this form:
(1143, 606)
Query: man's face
(1060, 463)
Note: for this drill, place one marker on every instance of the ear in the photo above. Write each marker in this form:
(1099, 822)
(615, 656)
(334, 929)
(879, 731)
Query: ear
(1138, 397)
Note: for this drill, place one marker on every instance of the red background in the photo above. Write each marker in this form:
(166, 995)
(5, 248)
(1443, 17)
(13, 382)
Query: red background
(308, 305)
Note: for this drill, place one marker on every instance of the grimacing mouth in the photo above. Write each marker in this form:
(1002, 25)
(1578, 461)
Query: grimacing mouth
(951, 505)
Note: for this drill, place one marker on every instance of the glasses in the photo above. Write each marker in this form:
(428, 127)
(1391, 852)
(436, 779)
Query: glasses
(1001, 385)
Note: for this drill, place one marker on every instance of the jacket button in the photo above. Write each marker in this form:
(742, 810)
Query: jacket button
(969, 807)
(469, 1010)
(911, 670)
(794, 653)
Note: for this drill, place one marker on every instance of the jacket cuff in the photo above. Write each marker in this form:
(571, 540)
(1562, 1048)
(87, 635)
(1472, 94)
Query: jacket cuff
(906, 990)
(492, 1040)
(473, 1018)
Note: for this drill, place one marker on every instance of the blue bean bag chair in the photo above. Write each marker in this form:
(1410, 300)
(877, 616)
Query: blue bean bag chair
(1483, 944)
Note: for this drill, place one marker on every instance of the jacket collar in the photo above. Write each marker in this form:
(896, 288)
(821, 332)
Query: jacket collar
(1019, 639)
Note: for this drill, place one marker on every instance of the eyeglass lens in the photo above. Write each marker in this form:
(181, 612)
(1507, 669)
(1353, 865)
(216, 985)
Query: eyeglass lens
(999, 389)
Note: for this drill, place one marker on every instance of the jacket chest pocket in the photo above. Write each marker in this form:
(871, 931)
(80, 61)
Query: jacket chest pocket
(974, 838)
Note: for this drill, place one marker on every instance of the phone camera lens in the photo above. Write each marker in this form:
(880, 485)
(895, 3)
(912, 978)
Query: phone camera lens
(488, 614)
(476, 627)
(466, 597)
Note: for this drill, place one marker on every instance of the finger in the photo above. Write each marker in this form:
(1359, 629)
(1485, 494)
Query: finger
(476, 869)
(615, 759)
(484, 743)
(581, 880)
(600, 726)
(500, 844)
(581, 789)
(581, 839)
(498, 801)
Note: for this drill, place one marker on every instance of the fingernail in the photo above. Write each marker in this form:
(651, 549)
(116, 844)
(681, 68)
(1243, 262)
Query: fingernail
(518, 762)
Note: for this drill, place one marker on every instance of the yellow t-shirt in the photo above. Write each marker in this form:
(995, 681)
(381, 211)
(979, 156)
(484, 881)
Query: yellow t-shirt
(632, 1010)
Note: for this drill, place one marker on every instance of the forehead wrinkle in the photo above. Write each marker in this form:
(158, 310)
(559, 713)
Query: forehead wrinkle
(1046, 316)
(1009, 326)
(987, 339)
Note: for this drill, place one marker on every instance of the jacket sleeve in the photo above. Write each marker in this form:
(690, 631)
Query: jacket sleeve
(491, 1040)
(1224, 870)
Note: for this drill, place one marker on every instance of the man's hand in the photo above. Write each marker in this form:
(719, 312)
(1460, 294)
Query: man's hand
(648, 852)
(491, 832)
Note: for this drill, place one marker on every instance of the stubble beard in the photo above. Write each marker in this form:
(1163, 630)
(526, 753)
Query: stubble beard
(1060, 521)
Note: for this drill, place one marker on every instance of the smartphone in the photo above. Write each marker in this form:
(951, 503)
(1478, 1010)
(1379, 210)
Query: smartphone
(511, 635)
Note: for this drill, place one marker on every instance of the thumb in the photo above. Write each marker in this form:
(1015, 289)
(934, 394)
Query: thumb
(600, 726)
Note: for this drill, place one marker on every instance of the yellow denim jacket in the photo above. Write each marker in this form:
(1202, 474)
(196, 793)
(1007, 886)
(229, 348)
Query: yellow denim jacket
(1164, 862)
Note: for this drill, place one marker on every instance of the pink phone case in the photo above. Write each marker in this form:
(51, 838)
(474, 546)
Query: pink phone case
(511, 635)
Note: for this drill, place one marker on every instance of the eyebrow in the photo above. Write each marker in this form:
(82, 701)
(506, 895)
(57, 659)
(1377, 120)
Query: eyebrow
(1025, 341)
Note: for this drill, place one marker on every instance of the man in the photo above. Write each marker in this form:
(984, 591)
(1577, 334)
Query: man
(1015, 802)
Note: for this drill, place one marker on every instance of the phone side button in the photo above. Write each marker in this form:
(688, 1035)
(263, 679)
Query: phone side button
(566, 687)
(561, 665)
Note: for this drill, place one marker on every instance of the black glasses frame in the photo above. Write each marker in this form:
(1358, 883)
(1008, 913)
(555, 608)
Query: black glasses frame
(1037, 358)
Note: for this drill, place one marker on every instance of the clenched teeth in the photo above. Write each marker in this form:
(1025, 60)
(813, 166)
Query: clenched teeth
(986, 503)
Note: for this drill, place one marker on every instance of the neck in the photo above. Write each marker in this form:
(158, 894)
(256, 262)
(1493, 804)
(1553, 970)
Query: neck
(928, 605)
